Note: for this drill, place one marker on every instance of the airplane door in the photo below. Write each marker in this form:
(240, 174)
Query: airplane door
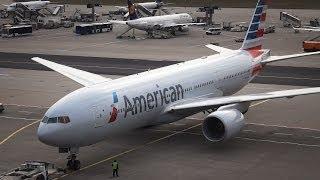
(99, 113)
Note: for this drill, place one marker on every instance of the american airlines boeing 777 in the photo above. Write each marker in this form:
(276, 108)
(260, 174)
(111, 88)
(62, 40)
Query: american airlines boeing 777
(105, 107)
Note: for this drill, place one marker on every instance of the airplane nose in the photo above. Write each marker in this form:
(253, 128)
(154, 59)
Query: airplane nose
(42, 133)
(47, 135)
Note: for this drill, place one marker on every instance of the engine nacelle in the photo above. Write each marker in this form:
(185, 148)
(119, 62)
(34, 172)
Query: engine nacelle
(183, 29)
(222, 125)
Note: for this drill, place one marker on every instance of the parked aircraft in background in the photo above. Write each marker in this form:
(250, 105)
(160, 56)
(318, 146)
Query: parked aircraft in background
(148, 8)
(307, 28)
(32, 5)
(157, 25)
(104, 108)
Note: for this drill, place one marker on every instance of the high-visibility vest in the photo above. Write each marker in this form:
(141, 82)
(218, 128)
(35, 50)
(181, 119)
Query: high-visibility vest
(114, 165)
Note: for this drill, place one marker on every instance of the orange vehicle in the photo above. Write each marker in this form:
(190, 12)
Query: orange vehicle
(310, 46)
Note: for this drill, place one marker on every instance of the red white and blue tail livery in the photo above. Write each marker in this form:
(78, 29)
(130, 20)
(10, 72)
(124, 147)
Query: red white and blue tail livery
(254, 36)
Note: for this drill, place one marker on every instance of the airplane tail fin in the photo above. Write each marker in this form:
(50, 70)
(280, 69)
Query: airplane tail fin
(132, 10)
(254, 35)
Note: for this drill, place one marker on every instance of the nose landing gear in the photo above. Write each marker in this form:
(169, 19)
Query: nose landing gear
(73, 163)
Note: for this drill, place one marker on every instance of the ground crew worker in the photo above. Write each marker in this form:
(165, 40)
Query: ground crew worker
(115, 168)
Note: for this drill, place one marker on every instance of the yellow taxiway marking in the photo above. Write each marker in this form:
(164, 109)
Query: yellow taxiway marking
(131, 150)
(17, 131)
(140, 147)
(258, 103)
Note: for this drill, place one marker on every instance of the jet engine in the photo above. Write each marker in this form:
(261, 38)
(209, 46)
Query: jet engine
(183, 28)
(222, 125)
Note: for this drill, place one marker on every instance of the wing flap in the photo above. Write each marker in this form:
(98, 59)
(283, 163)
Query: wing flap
(80, 76)
(204, 104)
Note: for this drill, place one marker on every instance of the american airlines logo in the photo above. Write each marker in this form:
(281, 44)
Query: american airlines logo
(151, 100)
(114, 112)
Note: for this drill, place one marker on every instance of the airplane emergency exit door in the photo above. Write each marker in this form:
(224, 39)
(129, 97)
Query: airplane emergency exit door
(100, 116)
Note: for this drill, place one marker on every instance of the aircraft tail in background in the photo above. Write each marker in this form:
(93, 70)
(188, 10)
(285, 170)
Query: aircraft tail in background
(132, 10)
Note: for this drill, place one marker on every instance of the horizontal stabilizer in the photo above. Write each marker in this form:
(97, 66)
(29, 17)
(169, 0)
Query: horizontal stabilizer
(80, 76)
(219, 49)
(280, 58)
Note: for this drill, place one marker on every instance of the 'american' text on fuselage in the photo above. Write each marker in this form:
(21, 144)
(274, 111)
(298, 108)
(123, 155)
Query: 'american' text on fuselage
(152, 100)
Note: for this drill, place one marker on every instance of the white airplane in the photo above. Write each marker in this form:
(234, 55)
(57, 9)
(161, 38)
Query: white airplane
(307, 28)
(104, 108)
(148, 5)
(32, 5)
(168, 23)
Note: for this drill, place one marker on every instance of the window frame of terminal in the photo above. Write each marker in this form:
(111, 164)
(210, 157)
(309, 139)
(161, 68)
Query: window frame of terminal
(53, 120)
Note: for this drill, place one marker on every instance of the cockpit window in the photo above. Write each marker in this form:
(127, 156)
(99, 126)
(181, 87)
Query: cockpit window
(63, 119)
(52, 120)
(60, 119)
(45, 119)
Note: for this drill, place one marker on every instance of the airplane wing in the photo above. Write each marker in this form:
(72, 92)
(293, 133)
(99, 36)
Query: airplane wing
(198, 105)
(118, 22)
(280, 58)
(219, 49)
(80, 76)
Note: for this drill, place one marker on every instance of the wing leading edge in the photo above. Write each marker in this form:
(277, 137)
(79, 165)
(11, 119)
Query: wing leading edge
(80, 76)
(205, 104)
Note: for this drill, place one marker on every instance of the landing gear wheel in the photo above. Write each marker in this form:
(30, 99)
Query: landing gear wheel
(77, 165)
(40, 177)
(74, 165)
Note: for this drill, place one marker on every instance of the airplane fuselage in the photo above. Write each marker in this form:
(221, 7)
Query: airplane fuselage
(32, 5)
(99, 112)
(158, 22)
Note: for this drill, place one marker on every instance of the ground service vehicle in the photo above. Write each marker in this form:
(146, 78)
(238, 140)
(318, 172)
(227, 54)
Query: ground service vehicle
(33, 170)
(9, 31)
(93, 28)
(1, 108)
(213, 31)
(311, 46)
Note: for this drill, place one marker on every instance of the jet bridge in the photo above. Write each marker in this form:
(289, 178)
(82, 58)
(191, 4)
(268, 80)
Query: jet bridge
(23, 14)
(289, 20)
